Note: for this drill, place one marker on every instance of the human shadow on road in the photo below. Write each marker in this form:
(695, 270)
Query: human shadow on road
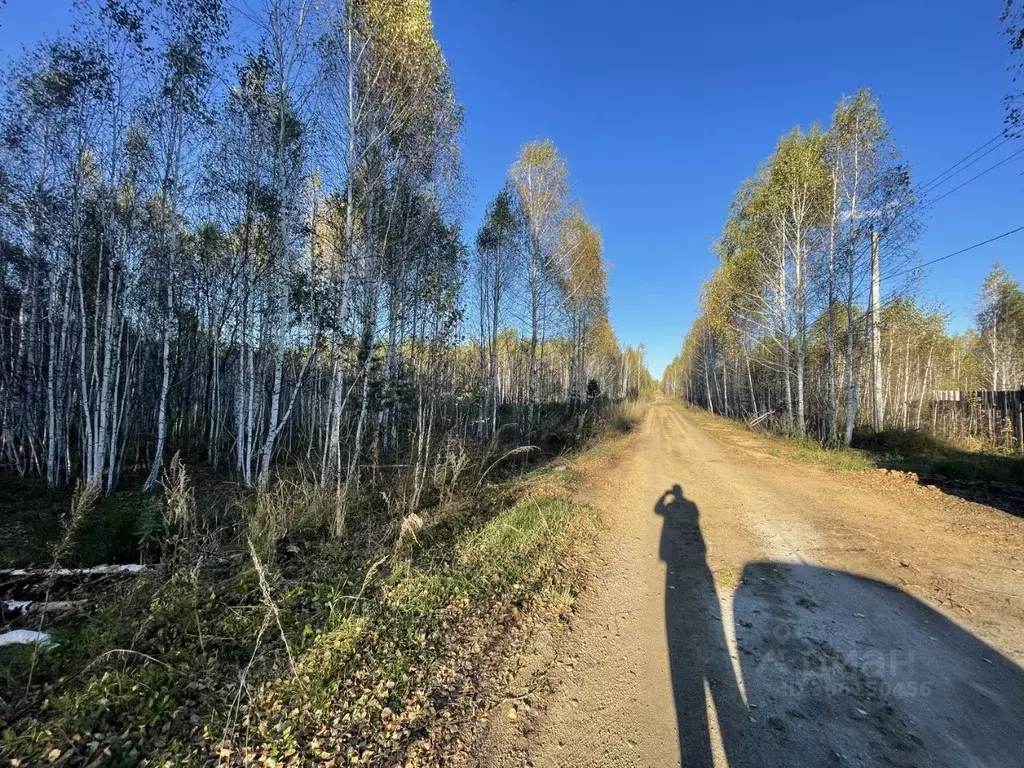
(698, 653)
(832, 668)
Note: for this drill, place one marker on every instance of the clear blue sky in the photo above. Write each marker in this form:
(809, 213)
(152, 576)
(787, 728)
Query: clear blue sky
(662, 108)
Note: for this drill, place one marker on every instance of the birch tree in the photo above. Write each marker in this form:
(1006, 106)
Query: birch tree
(193, 32)
(1000, 322)
(259, 264)
(540, 176)
(498, 247)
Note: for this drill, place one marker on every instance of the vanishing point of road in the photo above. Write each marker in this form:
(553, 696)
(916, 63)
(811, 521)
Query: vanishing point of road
(750, 610)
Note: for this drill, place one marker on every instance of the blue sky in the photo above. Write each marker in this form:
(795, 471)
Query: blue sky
(662, 107)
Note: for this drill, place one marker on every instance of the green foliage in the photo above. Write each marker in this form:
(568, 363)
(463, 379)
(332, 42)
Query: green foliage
(1000, 322)
(833, 457)
(987, 467)
(378, 672)
(502, 223)
(355, 659)
(148, 528)
(513, 550)
(902, 444)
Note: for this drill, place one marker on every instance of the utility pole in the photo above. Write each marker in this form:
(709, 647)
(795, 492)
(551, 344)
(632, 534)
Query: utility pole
(878, 406)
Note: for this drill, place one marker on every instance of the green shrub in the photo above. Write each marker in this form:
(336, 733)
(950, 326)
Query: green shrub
(840, 457)
(902, 443)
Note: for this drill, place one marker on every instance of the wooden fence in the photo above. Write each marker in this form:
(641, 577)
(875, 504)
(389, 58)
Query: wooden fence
(996, 416)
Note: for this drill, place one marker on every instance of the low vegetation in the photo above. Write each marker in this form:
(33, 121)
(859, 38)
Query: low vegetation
(254, 635)
(248, 342)
(928, 456)
(812, 451)
(626, 414)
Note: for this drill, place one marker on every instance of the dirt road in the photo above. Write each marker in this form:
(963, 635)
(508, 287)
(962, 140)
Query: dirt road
(752, 611)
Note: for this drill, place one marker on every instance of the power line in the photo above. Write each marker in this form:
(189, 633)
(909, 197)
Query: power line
(1004, 161)
(923, 205)
(957, 253)
(954, 169)
(887, 277)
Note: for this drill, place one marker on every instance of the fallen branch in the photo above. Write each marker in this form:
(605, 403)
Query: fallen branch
(758, 419)
(96, 570)
(513, 452)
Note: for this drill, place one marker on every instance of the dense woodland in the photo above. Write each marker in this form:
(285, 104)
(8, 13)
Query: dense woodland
(237, 236)
(811, 323)
(248, 347)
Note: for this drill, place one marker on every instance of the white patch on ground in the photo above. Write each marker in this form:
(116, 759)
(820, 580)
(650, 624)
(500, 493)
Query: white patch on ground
(26, 637)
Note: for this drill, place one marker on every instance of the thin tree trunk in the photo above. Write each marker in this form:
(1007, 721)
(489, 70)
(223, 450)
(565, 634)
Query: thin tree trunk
(165, 388)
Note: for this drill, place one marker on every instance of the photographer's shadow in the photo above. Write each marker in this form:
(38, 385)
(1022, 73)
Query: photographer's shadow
(698, 652)
(833, 669)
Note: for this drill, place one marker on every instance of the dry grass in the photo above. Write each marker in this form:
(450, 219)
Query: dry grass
(270, 639)
(291, 505)
(625, 415)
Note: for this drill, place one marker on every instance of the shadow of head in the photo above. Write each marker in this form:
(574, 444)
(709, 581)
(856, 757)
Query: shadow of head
(673, 504)
(681, 538)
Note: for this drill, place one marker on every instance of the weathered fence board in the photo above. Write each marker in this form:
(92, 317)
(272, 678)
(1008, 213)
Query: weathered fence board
(997, 415)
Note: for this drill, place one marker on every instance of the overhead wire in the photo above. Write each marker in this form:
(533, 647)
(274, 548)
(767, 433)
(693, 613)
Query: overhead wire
(957, 253)
(955, 169)
(991, 168)
(943, 178)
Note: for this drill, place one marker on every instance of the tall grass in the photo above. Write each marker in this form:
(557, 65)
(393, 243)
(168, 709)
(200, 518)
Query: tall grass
(292, 505)
(270, 638)
(625, 415)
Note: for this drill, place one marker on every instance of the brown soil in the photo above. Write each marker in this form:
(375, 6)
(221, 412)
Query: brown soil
(747, 610)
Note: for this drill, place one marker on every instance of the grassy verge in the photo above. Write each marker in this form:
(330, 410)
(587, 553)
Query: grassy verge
(841, 458)
(904, 450)
(929, 456)
(794, 448)
(305, 649)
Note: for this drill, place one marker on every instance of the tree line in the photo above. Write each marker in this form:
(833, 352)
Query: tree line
(235, 235)
(539, 268)
(794, 330)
